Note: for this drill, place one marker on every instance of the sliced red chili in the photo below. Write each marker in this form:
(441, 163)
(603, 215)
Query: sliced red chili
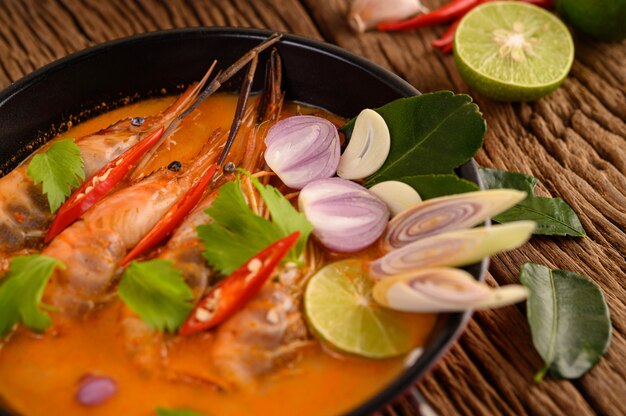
(95, 188)
(173, 217)
(237, 289)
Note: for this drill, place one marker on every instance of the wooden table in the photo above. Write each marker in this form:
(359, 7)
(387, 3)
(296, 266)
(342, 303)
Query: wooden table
(574, 141)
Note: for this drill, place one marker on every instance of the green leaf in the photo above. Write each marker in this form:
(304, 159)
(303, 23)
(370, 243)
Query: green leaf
(58, 169)
(569, 320)
(430, 133)
(236, 233)
(21, 291)
(162, 411)
(157, 292)
(552, 215)
(285, 216)
(502, 179)
(433, 186)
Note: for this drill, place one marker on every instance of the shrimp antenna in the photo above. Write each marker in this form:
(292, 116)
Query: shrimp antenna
(213, 86)
(242, 101)
(224, 76)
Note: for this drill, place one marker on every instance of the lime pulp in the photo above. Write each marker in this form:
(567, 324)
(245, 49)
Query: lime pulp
(513, 51)
(340, 308)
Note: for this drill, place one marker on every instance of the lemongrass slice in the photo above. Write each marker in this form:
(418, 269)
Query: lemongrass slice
(397, 195)
(368, 147)
(453, 248)
(447, 213)
(443, 289)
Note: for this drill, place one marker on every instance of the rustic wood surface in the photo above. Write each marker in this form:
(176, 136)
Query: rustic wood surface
(574, 141)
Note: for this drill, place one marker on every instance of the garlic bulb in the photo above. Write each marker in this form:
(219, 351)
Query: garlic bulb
(368, 147)
(443, 289)
(397, 195)
(366, 14)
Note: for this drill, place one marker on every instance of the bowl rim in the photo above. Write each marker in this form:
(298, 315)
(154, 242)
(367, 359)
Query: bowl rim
(409, 375)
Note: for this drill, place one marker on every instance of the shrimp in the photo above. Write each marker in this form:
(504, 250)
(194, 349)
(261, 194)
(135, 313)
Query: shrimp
(269, 331)
(24, 210)
(92, 247)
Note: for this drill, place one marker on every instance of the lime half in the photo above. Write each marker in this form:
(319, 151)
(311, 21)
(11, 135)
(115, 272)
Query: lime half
(513, 51)
(339, 306)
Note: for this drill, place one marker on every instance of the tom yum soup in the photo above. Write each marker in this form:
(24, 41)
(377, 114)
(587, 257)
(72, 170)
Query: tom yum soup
(233, 254)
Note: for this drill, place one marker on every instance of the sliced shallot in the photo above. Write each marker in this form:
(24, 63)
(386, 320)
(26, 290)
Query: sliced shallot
(95, 390)
(368, 147)
(397, 195)
(453, 248)
(447, 213)
(443, 289)
(301, 149)
(346, 217)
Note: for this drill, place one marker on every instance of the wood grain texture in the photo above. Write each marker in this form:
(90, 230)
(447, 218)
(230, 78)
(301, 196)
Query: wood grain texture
(574, 141)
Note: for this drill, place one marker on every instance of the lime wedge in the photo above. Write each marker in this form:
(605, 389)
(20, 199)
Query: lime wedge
(513, 51)
(339, 306)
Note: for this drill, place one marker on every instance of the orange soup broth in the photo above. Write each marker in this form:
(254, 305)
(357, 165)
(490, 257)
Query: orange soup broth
(40, 373)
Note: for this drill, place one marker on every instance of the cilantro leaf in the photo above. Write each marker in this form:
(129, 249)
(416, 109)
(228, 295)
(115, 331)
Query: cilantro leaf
(162, 411)
(236, 233)
(59, 169)
(157, 292)
(21, 290)
(285, 216)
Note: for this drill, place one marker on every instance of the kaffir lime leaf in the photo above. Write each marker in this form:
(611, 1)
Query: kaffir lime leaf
(513, 51)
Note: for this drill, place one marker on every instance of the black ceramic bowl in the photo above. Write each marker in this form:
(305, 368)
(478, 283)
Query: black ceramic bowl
(315, 73)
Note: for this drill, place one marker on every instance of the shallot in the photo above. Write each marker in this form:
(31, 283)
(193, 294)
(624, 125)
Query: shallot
(442, 289)
(301, 149)
(447, 213)
(95, 390)
(346, 217)
(453, 248)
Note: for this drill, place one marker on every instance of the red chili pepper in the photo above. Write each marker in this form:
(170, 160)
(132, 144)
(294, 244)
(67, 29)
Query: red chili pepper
(450, 11)
(447, 39)
(237, 289)
(173, 217)
(95, 188)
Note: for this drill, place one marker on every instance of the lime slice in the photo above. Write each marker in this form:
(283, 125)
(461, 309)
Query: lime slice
(339, 306)
(513, 51)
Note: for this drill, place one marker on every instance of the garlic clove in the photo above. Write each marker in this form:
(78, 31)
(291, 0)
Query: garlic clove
(397, 195)
(366, 14)
(443, 289)
(368, 147)
(453, 248)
